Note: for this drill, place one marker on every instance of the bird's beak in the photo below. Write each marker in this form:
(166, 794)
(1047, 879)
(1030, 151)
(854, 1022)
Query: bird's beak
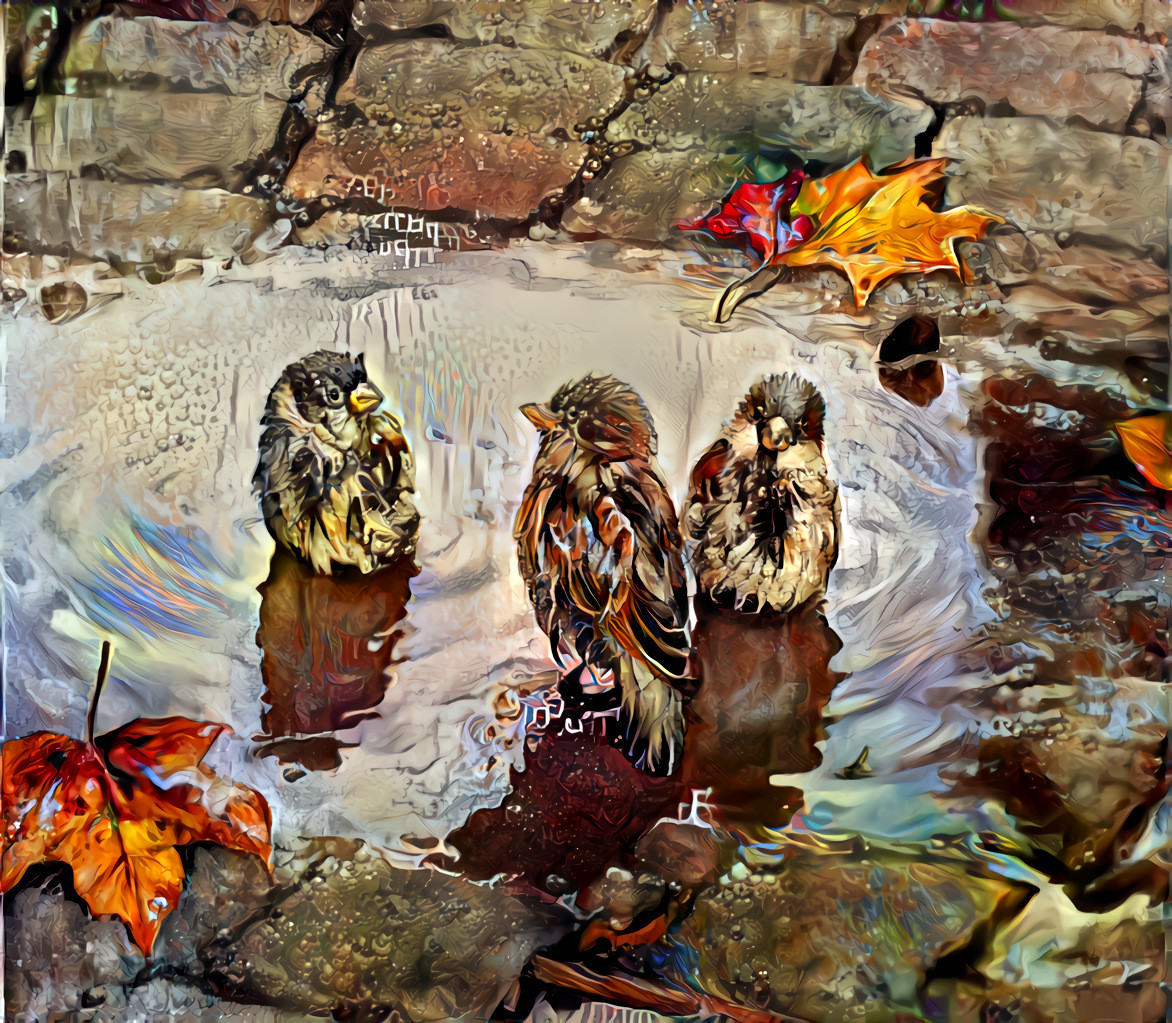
(363, 398)
(540, 415)
(776, 434)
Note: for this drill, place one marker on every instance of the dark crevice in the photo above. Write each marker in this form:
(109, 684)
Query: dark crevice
(846, 57)
(624, 46)
(601, 154)
(1145, 121)
(376, 34)
(926, 139)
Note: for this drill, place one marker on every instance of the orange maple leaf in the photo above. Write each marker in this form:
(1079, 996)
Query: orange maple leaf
(1146, 441)
(113, 808)
(874, 228)
(871, 227)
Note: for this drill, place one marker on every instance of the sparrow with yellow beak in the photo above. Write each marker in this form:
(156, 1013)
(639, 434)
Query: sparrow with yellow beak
(335, 476)
(601, 554)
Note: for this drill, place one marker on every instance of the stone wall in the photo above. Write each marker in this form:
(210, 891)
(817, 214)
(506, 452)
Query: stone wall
(612, 120)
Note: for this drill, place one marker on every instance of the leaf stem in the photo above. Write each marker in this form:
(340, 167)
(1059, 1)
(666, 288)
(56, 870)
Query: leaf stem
(758, 281)
(103, 672)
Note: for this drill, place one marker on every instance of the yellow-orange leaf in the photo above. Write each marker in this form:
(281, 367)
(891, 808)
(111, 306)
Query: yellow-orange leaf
(876, 227)
(114, 810)
(1146, 442)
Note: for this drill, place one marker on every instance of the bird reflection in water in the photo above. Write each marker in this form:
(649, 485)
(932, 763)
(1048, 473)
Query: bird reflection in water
(329, 645)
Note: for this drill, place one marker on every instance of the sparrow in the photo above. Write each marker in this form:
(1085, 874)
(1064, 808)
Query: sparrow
(762, 514)
(599, 548)
(335, 476)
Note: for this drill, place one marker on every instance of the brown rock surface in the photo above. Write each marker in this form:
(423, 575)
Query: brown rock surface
(225, 55)
(148, 135)
(791, 41)
(1077, 271)
(351, 932)
(1052, 71)
(693, 135)
(589, 28)
(129, 224)
(1067, 181)
(1155, 111)
(61, 963)
(809, 934)
(1125, 14)
(487, 128)
(1130, 15)
(296, 12)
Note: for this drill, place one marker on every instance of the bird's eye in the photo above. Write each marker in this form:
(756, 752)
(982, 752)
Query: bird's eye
(334, 395)
(573, 414)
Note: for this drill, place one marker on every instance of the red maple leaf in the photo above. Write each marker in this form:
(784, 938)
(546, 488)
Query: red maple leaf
(757, 216)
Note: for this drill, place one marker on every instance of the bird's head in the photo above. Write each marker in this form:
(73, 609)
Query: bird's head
(601, 415)
(331, 390)
(786, 411)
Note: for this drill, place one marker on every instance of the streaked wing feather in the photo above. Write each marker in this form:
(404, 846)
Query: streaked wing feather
(290, 473)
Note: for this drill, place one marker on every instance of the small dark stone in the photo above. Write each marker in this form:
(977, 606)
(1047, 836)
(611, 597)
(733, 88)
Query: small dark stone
(907, 370)
(914, 336)
(63, 301)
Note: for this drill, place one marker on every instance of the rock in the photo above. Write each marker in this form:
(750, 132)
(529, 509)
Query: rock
(130, 225)
(1053, 71)
(1082, 791)
(63, 300)
(269, 59)
(830, 935)
(488, 128)
(1085, 330)
(352, 931)
(1097, 14)
(1147, 17)
(1157, 17)
(689, 134)
(57, 958)
(1155, 112)
(60, 960)
(1068, 182)
(147, 136)
(1082, 272)
(590, 28)
(1129, 15)
(863, 8)
(689, 855)
(790, 41)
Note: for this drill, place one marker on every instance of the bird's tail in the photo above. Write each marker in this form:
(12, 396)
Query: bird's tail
(652, 714)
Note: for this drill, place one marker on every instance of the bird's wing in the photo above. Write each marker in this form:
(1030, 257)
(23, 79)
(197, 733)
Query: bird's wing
(708, 468)
(611, 556)
(292, 471)
(655, 614)
(581, 553)
(705, 486)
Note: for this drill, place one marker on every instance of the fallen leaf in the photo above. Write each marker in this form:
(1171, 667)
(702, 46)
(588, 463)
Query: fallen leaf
(1146, 442)
(871, 227)
(757, 215)
(114, 808)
